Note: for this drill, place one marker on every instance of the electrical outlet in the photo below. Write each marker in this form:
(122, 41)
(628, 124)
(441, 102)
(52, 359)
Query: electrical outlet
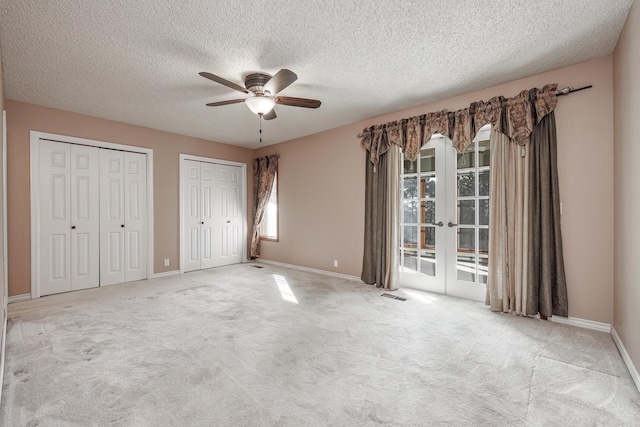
(166, 262)
(335, 263)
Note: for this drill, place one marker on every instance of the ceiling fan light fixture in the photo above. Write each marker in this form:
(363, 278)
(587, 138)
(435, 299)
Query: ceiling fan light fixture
(260, 105)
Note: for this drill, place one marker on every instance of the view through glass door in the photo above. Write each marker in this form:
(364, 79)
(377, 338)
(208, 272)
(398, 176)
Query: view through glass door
(444, 245)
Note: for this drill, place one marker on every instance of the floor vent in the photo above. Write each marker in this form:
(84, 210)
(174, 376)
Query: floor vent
(386, 295)
(257, 266)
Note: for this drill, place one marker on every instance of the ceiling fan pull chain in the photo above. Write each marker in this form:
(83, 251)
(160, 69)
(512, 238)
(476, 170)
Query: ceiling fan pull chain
(260, 128)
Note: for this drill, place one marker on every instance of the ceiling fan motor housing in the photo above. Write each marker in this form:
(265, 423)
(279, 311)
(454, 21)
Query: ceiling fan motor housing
(255, 82)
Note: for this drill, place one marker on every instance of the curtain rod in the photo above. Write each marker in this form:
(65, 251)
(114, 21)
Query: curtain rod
(568, 90)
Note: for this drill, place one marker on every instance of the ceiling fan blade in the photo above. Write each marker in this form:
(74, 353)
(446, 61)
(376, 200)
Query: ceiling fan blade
(231, 101)
(270, 115)
(297, 102)
(224, 82)
(280, 81)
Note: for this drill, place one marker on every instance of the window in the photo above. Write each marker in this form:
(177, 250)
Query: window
(269, 227)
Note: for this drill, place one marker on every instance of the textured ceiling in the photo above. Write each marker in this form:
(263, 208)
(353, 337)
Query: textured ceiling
(138, 61)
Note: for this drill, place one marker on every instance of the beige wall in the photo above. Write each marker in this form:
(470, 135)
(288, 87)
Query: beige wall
(322, 187)
(321, 197)
(626, 62)
(23, 118)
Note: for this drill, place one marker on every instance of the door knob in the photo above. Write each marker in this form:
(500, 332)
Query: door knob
(122, 225)
(451, 224)
(439, 223)
(228, 222)
(202, 222)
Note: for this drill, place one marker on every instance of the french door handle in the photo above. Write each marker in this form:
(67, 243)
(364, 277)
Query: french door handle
(439, 223)
(451, 224)
(73, 227)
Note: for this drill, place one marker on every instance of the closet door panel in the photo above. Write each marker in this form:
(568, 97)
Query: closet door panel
(228, 221)
(85, 217)
(135, 201)
(235, 214)
(191, 211)
(112, 220)
(55, 220)
(207, 183)
(219, 220)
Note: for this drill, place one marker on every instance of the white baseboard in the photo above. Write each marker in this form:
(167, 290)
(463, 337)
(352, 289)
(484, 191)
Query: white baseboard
(625, 356)
(582, 323)
(166, 273)
(18, 298)
(310, 270)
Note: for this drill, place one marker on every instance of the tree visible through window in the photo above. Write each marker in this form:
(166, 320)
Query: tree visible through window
(269, 227)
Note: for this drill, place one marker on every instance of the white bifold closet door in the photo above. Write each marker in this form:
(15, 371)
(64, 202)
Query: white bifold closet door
(123, 198)
(228, 215)
(198, 186)
(69, 217)
(212, 214)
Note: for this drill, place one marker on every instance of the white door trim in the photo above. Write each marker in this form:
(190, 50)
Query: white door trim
(184, 157)
(5, 244)
(5, 280)
(35, 137)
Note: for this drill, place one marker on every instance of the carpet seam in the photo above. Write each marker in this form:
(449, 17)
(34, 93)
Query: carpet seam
(533, 371)
(582, 367)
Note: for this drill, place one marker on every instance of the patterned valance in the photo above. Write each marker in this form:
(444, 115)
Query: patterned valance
(514, 117)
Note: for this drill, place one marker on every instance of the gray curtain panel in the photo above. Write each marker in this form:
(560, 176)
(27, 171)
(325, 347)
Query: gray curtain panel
(375, 255)
(547, 290)
(382, 212)
(264, 173)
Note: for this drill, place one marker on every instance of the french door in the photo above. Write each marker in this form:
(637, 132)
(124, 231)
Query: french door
(444, 245)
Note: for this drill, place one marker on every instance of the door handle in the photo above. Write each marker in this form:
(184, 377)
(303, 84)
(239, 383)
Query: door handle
(228, 222)
(439, 223)
(451, 224)
(73, 227)
(202, 222)
(122, 225)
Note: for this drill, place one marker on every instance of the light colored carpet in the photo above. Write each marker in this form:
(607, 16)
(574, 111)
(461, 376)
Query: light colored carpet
(242, 346)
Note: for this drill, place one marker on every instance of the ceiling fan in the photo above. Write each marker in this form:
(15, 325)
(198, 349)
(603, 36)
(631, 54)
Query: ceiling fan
(262, 90)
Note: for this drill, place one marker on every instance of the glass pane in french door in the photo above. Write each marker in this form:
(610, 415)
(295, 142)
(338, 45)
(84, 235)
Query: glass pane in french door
(469, 244)
(422, 262)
